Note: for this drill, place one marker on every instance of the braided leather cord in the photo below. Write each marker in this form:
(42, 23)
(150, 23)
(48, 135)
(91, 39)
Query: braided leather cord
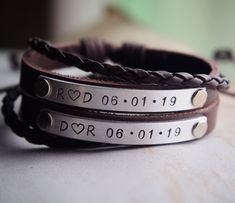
(135, 75)
(226, 55)
(32, 134)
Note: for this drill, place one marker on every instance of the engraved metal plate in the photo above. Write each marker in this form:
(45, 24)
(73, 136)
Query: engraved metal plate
(120, 99)
(122, 132)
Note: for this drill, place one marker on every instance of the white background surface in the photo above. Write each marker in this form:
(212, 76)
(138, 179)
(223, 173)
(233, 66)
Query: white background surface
(199, 171)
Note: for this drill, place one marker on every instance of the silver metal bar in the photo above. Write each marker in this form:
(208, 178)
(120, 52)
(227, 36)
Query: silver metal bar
(122, 132)
(120, 99)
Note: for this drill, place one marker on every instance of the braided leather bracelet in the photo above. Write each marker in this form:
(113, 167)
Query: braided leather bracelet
(161, 97)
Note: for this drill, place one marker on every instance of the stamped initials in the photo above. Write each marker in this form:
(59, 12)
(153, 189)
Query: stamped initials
(77, 128)
(73, 95)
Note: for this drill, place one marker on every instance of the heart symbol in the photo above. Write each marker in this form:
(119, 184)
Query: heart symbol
(74, 94)
(77, 128)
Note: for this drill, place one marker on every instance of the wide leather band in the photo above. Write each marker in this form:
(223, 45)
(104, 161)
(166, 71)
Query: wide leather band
(161, 97)
(84, 125)
(107, 94)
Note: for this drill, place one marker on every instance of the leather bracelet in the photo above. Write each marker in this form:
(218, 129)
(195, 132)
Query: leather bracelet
(107, 108)
(103, 127)
(110, 95)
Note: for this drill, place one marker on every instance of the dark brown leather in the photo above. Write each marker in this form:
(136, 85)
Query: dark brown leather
(159, 67)
(34, 64)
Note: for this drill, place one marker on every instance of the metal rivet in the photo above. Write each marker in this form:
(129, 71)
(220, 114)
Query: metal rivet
(42, 87)
(199, 98)
(200, 129)
(44, 120)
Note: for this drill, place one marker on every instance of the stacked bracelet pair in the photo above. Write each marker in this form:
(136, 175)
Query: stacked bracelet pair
(133, 96)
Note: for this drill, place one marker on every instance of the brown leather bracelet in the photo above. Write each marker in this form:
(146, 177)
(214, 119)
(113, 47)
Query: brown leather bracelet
(110, 109)
(37, 70)
(136, 129)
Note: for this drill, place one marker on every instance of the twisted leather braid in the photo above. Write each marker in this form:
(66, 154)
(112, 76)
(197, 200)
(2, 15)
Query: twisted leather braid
(134, 75)
(32, 134)
(226, 55)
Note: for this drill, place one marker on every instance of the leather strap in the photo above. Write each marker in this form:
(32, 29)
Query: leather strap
(35, 65)
(186, 70)
(147, 70)
(31, 109)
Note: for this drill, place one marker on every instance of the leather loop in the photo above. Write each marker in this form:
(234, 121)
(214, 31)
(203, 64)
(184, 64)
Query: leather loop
(94, 49)
(132, 55)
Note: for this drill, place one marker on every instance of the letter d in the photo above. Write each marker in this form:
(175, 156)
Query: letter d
(63, 125)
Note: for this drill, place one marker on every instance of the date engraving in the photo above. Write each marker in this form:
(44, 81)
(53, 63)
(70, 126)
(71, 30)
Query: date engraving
(120, 99)
(122, 132)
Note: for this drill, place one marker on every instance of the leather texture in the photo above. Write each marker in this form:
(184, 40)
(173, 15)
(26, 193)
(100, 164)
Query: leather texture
(158, 66)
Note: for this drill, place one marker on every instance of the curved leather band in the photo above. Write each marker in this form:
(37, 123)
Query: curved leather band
(32, 108)
(156, 66)
(35, 65)
(154, 60)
